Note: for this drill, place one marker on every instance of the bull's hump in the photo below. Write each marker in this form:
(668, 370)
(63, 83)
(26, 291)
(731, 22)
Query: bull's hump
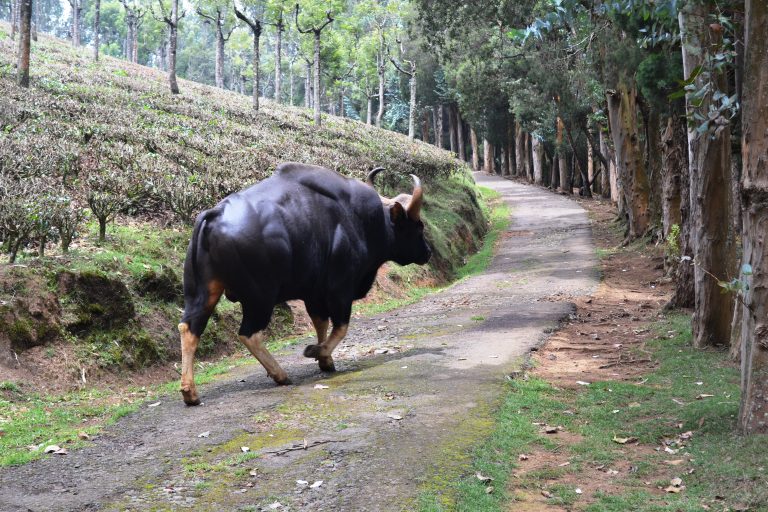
(316, 179)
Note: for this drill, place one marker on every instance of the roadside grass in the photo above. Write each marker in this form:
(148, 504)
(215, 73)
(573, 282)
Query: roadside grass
(31, 421)
(721, 469)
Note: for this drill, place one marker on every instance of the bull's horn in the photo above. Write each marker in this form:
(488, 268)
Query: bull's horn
(372, 175)
(414, 207)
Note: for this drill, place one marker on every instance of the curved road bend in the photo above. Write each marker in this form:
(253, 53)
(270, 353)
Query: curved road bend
(386, 424)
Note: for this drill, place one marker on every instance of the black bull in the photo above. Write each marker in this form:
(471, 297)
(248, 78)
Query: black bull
(304, 233)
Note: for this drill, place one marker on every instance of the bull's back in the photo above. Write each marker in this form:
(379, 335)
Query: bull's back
(281, 237)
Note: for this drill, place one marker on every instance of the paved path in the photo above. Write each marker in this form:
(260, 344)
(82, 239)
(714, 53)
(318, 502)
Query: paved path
(387, 427)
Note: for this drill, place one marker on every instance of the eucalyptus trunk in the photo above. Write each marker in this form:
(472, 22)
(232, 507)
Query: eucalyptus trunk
(412, 107)
(753, 414)
(279, 62)
(475, 154)
(256, 68)
(538, 164)
(173, 28)
(96, 28)
(317, 79)
(438, 110)
(25, 19)
(219, 65)
(460, 136)
(605, 176)
(630, 161)
(519, 150)
(709, 155)
(76, 9)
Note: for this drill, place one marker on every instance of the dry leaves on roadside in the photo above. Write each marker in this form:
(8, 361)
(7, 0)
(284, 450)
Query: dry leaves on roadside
(624, 440)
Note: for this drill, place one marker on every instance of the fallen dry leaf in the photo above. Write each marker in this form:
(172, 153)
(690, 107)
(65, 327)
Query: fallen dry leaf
(52, 448)
(703, 395)
(564, 464)
(546, 494)
(578, 491)
(624, 440)
(83, 435)
(483, 478)
(522, 456)
(154, 404)
(394, 416)
(245, 449)
(321, 386)
(673, 489)
(675, 462)
(204, 434)
(317, 484)
(582, 383)
(677, 482)
(489, 489)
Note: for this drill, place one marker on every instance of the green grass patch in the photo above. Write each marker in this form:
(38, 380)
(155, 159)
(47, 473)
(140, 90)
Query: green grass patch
(728, 469)
(498, 213)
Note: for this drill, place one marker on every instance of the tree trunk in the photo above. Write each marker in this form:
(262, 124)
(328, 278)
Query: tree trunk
(433, 112)
(591, 167)
(412, 106)
(451, 127)
(673, 158)
(425, 127)
(174, 26)
(96, 28)
(709, 161)
(14, 19)
(753, 414)
(25, 18)
(630, 164)
(519, 150)
(308, 86)
(538, 153)
(460, 136)
(135, 45)
(290, 83)
(219, 64)
(653, 163)
(438, 109)
(35, 19)
(256, 68)
(605, 176)
(555, 176)
(75, 21)
(279, 62)
(317, 79)
(473, 143)
(382, 71)
(487, 157)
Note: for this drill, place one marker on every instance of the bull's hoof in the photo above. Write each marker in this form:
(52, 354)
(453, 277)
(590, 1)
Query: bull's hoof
(190, 397)
(326, 364)
(285, 381)
(312, 351)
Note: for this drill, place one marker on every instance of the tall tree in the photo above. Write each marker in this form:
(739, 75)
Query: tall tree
(709, 160)
(754, 191)
(218, 15)
(276, 10)
(408, 68)
(255, 25)
(96, 29)
(25, 18)
(316, 29)
(77, 9)
(171, 18)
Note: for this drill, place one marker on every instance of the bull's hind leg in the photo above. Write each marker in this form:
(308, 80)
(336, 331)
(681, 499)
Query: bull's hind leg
(255, 320)
(197, 311)
(324, 349)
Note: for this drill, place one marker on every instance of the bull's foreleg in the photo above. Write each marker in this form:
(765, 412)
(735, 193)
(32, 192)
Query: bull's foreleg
(255, 344)
(323, 351)
(188, 347)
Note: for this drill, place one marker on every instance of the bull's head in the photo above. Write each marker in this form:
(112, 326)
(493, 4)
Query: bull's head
(404, 212)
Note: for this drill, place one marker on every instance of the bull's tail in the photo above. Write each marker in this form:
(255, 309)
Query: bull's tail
(195, 289)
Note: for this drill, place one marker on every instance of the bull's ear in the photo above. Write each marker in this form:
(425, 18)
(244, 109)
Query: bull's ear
(396, 212)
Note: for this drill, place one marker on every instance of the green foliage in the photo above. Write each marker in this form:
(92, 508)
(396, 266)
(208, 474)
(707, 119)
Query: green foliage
(673, 241)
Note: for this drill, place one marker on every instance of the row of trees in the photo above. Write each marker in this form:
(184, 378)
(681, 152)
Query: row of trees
(640, 102)
(353, 59)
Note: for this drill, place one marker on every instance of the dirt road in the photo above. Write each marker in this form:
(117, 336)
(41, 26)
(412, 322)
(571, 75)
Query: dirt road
(415, 391)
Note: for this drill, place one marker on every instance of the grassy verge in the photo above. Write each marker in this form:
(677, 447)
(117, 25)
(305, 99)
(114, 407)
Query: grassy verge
(688, 404)
(31, 421)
